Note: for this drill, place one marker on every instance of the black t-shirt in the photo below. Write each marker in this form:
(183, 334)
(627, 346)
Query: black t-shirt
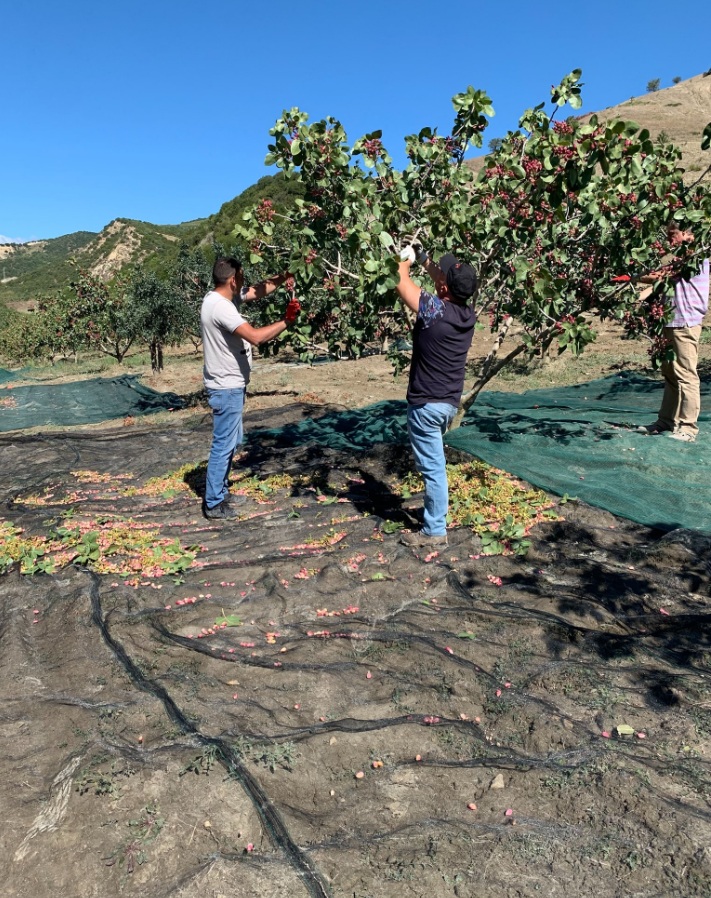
(441, 340)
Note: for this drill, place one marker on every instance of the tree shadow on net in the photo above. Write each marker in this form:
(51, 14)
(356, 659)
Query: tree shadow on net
(362, 477)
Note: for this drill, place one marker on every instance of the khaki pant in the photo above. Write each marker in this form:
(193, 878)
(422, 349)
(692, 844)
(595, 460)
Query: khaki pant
(681, 403)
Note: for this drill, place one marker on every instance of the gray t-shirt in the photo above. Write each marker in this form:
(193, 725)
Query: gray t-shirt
(228, 358)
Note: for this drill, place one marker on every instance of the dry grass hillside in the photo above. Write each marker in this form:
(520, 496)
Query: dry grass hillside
(680, 113)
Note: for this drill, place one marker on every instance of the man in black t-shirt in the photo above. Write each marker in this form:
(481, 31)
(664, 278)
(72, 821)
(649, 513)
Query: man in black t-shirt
(441, 339)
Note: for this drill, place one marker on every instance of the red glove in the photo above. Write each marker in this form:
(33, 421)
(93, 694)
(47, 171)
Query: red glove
(622, 277)
(292, 311)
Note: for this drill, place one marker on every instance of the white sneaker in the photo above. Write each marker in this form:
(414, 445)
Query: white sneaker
(683, 436)
(652, 429)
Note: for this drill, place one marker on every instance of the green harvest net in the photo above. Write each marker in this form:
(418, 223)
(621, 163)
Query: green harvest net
(6, 375)
(571, 440)
(80, 402)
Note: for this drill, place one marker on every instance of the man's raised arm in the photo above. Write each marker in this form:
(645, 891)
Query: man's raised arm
(432, 269)
(264, 288)
(407, 289)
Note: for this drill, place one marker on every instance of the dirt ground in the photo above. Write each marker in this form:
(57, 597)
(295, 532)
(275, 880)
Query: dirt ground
(151, 751)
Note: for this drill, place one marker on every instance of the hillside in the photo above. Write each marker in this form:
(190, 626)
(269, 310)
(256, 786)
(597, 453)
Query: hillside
(18, 259)
(44, 266)
(678, 113)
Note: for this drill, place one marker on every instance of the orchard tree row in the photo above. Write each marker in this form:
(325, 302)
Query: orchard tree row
(134, 311)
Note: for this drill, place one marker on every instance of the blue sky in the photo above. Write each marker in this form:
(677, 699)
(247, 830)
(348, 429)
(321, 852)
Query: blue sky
(160, 110)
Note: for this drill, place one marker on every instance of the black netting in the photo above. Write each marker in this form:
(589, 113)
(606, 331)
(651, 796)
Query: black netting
(429, 668)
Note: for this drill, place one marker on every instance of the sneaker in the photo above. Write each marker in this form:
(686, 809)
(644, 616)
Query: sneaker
(420, 540)
(221, 512)
(683, 436)
(652, 429)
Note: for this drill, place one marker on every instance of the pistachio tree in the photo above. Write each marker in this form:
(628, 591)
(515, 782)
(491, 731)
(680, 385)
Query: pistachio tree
(561, 208)
(87, 315)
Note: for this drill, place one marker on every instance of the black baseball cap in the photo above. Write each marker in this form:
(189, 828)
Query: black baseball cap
(461, 278)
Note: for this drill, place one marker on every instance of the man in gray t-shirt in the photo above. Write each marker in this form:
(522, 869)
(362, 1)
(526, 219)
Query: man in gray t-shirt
(227, 346)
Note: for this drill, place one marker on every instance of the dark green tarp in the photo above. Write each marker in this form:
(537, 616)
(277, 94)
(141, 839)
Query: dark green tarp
(80, 402)
(571, 440)
(6, 376)
(576, 440)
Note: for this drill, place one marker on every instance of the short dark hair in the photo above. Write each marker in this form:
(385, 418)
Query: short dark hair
(224, 269)
(673, 226)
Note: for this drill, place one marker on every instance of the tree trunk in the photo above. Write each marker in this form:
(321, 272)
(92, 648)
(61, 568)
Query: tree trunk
(469, 397)
(490, 368)
(156, 356)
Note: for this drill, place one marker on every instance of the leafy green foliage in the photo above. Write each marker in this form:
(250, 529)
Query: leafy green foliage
(161, 315)
(561, 208)
(229, 620)
(97, 316)
(508, 536)
(88, 549)
(271, 755)
(132, 850)
(202, 763)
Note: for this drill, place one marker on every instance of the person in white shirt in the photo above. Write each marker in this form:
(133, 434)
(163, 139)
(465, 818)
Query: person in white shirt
(227, 347)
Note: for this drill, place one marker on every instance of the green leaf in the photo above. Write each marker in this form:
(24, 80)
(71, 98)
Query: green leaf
(385, 239)
(624, 729)
(466, 635)
(232, 620)
(706, 139)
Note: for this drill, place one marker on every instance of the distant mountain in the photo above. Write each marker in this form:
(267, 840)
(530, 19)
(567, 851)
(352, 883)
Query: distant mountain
(39, 262)
(31, 269)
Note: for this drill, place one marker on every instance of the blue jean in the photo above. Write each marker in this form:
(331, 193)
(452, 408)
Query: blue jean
(227, 406)
(426, 426)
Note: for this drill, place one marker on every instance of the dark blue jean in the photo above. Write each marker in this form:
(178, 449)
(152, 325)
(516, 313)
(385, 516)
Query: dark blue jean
(227, 406)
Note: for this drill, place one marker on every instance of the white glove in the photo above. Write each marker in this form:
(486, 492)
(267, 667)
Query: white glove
(407, 254)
